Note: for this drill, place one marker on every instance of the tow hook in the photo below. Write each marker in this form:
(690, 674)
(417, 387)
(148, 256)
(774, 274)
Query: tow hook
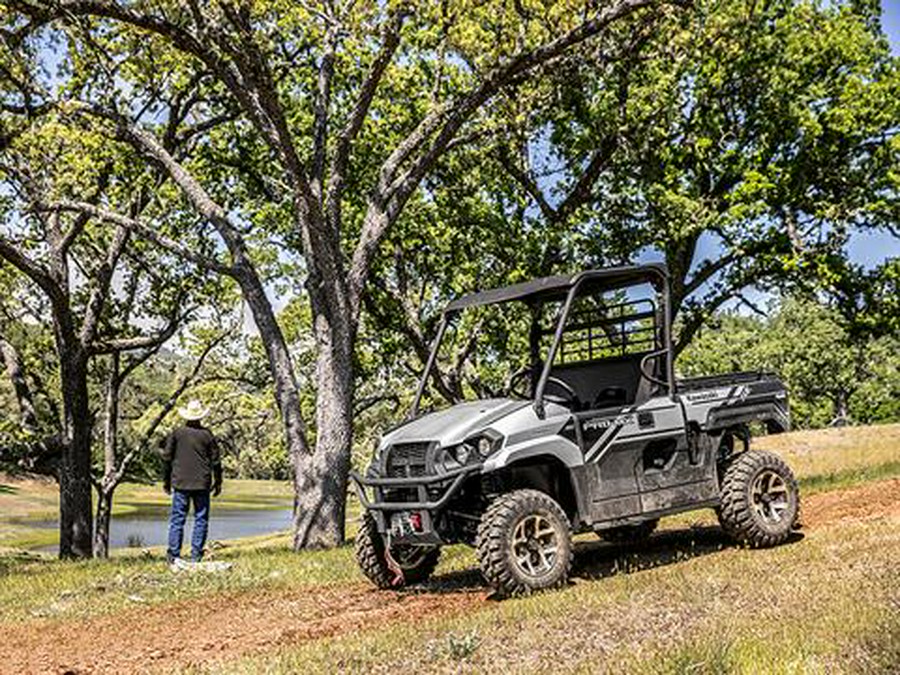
(399, 578)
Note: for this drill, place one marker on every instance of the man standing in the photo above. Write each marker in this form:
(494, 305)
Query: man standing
(193, 467)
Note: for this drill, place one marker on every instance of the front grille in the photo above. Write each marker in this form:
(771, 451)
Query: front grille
(407, 460)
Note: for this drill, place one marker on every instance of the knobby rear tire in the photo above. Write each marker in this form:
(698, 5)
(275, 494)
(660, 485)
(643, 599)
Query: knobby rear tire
(742, 516)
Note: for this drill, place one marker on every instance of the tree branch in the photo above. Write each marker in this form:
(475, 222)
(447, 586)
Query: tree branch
(143, 230)
(354, 123)
(141, 341)
(147, 144)
(581, 191)
(387, 202)
(707, 271)
(320, 114)
(528, 184)
(37, 272)
(247, 76)
(411, 327)
(362, 405)
(15, 370)
(102, 279)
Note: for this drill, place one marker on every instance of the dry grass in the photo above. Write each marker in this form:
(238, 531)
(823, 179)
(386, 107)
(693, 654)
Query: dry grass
(26, 497)
(35, 497)
(840, 451)
(709, 608)
(23, 499)
(693, 604)
(686, 602)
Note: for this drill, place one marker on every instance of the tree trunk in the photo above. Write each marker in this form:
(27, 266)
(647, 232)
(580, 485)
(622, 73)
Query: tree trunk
(287, 393)
(110, 447)
(104, 516)
(320, 479)
(75, 511)
(16, 372)
(841, 409)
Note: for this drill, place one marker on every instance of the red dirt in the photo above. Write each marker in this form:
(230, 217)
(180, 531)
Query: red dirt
(866, 502)
(204, 630)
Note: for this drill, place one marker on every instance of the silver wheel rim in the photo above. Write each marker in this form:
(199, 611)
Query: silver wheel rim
(770, 497)
(535, 545)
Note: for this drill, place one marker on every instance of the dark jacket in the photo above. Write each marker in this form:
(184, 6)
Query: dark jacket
(192, 459)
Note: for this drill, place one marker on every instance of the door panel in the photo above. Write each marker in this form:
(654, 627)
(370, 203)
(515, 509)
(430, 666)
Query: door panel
(670, 474)
(609, 466)
(638, 460)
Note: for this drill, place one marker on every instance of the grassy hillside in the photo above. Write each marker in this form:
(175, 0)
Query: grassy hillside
(687, 601)
(840, 456)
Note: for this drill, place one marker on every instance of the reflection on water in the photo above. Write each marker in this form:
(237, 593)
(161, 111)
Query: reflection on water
(152, 529)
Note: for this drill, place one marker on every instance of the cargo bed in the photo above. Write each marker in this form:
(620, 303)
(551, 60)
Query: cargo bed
(725, 380)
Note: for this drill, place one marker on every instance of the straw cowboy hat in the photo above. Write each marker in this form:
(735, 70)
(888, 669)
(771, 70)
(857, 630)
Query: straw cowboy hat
(193, 411)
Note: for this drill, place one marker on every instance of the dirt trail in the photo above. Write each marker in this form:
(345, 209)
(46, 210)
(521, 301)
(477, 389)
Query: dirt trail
(866, 502)
(204, 630)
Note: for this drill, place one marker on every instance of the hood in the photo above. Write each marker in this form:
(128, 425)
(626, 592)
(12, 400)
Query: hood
(455, 424)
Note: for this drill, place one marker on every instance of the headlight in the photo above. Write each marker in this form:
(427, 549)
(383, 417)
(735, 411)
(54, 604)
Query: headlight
(484, 446)
(471, 451)
(485, 443)
(456, 456)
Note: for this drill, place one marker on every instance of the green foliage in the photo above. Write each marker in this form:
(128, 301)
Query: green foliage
(849, 477)
(246, 424)
(830, 372)
(135, 291)
(870, 299)
(744, 143)
(462, 647)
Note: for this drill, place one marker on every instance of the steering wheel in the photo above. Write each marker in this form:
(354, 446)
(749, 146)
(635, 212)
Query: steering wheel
(515, 380)
(570, 398)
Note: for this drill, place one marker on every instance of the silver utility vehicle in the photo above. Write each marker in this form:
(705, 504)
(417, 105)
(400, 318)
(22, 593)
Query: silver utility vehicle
(593, 433)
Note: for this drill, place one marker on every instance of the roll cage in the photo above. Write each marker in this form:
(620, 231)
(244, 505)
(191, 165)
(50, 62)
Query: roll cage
(625, 325)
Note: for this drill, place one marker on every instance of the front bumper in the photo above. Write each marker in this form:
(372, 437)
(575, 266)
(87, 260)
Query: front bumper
(453, 478)
(448, 484)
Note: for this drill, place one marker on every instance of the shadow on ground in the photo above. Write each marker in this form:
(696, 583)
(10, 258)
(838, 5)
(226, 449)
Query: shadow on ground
(598, 559)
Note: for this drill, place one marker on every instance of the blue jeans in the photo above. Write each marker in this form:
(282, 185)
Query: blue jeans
(181, 500)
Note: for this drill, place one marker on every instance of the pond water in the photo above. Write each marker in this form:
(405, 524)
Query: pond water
(151, 527)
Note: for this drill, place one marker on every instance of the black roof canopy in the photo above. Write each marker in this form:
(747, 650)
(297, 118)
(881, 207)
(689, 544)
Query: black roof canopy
(548, 289)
